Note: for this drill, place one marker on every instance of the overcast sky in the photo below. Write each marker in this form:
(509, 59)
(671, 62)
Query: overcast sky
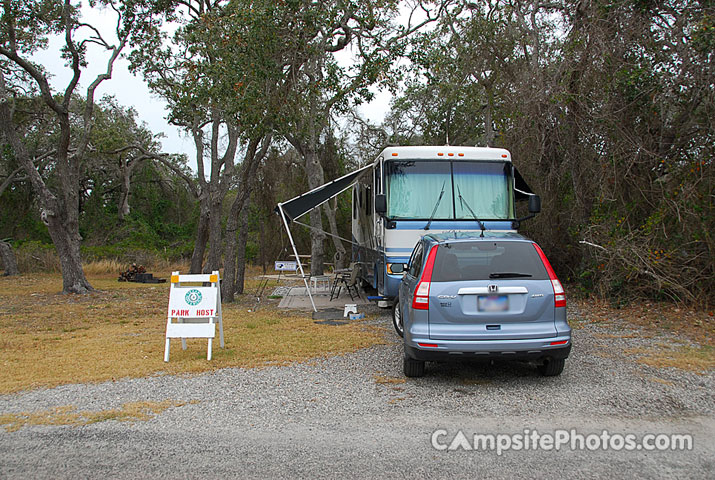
(131, 90)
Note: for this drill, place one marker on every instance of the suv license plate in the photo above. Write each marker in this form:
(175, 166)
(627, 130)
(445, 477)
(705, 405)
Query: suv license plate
(493, 303)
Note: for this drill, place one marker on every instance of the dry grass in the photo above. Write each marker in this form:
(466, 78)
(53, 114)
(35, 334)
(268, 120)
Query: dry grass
(609, 336)
(36, 259)
(104, 266)
(661, 381)
(67, 415)
(385, 380)
(697, 359)
(691, 332)
(48, 339)
(110, 266)
(654, 318)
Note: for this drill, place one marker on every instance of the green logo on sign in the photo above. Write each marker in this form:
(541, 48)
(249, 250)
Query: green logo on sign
(193, 297)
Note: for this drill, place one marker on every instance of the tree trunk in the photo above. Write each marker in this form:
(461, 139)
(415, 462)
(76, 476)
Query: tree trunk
(123, 207)
(488, 113)
(341, 254)
(236, 248)
(202, 237)
(316, 178)
(241, 255)
(67, 243)
(261, 242)
(8, 259)
(61, 211)
(488, 127)
(213, 261)
(229, 264)
(126, 170)
(235, 263)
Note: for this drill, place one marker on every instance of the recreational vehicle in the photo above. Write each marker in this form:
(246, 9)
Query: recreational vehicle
(410, 191)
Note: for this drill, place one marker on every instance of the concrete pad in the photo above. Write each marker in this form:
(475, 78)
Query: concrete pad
(297, 298)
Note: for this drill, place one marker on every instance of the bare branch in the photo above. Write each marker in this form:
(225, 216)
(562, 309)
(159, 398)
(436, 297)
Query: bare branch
(69, 43)
(97, 38)
(11, 179)
(38, 76)
(89, 101)
(163, 158)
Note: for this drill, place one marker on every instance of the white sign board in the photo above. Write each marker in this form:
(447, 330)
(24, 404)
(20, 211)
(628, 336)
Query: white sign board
(196, 302)
(196, 308)
(286, 265)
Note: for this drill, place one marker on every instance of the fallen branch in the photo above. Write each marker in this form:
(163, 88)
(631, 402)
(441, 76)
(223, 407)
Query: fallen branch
(593, 245)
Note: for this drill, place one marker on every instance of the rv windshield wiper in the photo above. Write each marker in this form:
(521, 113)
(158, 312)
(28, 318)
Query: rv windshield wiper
(434, 210)
(508, 275)
(463, 202)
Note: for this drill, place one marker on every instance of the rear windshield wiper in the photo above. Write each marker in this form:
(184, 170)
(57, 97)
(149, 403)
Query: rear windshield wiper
(508, 275)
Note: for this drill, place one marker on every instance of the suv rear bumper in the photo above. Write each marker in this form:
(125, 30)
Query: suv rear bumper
(531, 349)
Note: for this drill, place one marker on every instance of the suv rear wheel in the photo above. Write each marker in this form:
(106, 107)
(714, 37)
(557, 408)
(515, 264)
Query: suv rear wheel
(413, 368)
(552, 367)
(397, 318)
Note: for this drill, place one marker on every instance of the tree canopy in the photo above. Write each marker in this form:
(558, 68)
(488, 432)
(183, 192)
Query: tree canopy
(607, 108)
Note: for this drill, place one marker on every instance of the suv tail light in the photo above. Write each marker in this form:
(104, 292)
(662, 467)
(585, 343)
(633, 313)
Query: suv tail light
(420, 300)
(559, 294)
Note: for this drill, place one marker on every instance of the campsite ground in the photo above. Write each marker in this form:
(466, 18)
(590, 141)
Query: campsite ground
(278, 407)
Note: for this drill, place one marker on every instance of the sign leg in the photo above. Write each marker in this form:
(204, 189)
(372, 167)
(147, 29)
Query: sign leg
(220, 332)
(167, 347)
(208, 354)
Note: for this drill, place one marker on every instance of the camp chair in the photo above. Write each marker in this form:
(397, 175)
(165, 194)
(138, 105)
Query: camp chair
(349, 279)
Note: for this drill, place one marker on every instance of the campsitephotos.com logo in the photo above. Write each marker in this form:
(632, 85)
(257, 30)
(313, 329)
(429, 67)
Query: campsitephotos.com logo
(193, 297)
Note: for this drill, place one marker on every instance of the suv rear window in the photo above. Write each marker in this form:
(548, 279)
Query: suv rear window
(488, 261)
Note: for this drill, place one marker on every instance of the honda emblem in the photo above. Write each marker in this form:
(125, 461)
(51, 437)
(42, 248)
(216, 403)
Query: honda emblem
(492, 288)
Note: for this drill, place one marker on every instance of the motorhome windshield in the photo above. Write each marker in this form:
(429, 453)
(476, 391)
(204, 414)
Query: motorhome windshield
(414, 187)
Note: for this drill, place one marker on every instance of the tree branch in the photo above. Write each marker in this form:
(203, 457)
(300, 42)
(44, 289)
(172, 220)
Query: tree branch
(161, 158)
(21, 154)
(89, 101)
(10, 179)
(73, 51)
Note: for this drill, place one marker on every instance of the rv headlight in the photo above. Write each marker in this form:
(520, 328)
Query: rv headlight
(395, 268)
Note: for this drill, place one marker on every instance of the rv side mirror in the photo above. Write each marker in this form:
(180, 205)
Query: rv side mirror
(534, 204)
(381, 204)
(397, 268)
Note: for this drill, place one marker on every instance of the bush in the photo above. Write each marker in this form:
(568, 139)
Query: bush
(36, 256)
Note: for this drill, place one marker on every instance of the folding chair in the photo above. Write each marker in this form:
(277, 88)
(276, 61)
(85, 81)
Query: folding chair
(349, 279)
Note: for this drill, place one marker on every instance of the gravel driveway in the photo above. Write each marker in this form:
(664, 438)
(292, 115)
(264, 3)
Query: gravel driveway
(356, 416)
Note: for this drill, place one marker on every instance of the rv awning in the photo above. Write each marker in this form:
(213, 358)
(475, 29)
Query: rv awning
(522, 190)
(304, 203)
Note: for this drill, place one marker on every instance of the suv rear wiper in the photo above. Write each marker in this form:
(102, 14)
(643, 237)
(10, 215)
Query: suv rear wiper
(463, 202)
(508, 275)
(441, 194)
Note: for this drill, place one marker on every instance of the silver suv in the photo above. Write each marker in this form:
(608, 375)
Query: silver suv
(468, 296)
